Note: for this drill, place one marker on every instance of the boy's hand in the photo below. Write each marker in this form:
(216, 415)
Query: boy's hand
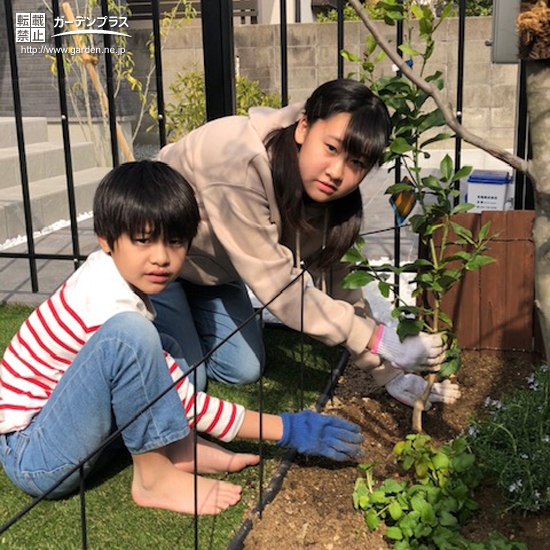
(312, 433)
(406, 388)
(424, 352)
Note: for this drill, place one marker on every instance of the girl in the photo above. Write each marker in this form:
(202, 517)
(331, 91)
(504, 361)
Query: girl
(279, 189)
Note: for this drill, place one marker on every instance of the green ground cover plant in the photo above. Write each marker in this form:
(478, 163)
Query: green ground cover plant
(113, 520)
(512, 443)
(426, 509)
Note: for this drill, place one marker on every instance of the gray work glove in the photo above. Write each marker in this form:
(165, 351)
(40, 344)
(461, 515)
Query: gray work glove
(407, 388)
(424, 352)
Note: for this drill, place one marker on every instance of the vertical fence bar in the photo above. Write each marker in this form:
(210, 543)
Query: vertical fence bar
(460, 87)
(21, 144)
(155, 14)
(340, 39)
(219, 57)
(62, 92)
(284, 53)
(523, 193)
(110, 88)
(261, 443)
(83, 524)
(397, 228)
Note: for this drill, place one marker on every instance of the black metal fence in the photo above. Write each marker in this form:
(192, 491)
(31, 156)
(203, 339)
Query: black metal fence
(217, 28)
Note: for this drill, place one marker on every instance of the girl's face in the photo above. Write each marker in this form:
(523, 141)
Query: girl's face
(328, 172)
(147, 264)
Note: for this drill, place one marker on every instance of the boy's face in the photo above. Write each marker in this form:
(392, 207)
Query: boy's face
(148, 265)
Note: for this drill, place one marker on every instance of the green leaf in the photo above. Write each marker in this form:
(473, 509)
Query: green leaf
(417, 12)
(478, 262)
(464, 172)
(378, 497)
(400, 146)
(372, 520)
(407, 463)
(357, 279)
(484, 231)
(398, 448)
(408, 50)
(370, 44)
(395, 511)
(462, 207)
(349, 56)
(409, 522)
(391, 486)
(385, 289)
(439, 137)
(353, 256)
(359, 492)
(463, 462)
(433, 119)
(461, 231)
(445, 318)
(394, 533)
(409, 327)
(440, 461)
(447, 519)
(398, 187)
(446, 168)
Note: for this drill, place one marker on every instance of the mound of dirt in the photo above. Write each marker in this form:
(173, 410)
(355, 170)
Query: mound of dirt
(314, 506)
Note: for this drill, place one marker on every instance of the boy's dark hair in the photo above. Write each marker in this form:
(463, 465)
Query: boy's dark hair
(367, 136)
(145, 196)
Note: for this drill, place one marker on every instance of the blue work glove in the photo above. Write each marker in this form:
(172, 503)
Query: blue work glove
(311, 433)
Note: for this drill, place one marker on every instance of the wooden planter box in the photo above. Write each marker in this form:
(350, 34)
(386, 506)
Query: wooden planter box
(493, 308)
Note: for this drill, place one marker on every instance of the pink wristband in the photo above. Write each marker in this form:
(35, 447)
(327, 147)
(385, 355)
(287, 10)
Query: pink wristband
(374, 348)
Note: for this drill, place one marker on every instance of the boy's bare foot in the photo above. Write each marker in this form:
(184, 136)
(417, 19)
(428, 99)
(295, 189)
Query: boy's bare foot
(211, 458)
(157, 483)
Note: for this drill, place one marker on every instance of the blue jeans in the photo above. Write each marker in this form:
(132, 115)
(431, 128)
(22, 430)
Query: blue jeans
(117, 373)
(199, 317)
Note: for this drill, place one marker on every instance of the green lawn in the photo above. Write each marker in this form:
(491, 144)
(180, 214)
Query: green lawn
(113, 521)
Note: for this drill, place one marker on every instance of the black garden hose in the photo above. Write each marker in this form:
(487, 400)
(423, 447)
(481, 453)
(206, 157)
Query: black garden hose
(278, 477)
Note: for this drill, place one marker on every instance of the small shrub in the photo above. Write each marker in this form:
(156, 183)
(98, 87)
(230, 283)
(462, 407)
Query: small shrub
(513, 443)
(473, 8)
(188, 110)
(426, 509)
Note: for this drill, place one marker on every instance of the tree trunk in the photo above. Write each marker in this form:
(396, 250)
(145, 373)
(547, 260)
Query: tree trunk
(538, 101)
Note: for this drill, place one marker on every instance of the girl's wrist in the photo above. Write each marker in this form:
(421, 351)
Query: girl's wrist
(375, 338)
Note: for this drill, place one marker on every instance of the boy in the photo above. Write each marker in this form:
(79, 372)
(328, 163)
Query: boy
(89, 360)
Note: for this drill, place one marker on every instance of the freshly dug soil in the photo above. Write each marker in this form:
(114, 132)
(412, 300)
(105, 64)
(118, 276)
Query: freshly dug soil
(314, 510)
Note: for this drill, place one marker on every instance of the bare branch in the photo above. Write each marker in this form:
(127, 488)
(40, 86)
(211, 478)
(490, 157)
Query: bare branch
(445, 107)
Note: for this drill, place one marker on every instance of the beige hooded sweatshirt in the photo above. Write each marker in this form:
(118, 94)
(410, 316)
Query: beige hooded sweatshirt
(242, 236)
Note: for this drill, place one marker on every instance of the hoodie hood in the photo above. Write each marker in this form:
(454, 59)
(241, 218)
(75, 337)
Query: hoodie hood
(265, 119)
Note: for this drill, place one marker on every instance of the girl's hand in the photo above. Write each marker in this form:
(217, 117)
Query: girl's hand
(406, 388)
(424, 352)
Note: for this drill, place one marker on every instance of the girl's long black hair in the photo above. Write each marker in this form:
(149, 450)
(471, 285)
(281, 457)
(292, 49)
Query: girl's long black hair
(367, 136)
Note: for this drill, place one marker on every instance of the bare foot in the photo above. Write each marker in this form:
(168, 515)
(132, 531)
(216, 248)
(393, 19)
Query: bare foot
(157, 483)
(211, 458)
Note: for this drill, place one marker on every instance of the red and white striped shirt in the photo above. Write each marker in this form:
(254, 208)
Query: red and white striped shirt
(48, 341)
